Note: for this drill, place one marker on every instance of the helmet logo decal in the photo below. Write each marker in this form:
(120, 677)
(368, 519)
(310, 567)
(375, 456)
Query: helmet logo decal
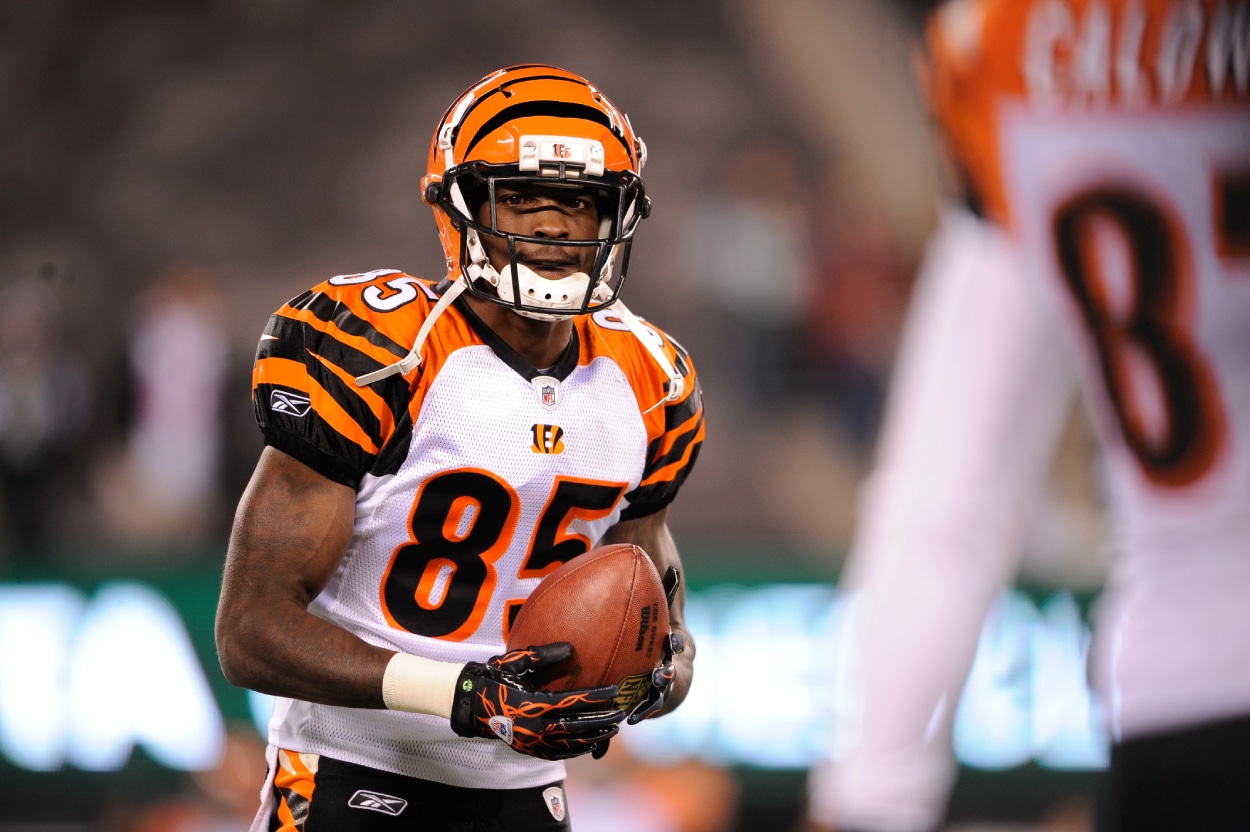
(558, 155)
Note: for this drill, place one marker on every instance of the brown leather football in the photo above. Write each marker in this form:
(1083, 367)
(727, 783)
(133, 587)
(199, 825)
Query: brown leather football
(609, 604)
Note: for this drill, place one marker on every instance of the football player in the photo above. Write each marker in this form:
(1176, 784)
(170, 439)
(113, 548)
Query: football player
(433, 449)
(1105, 148)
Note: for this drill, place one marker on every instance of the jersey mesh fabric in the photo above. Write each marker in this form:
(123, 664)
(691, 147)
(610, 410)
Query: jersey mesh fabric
(481, 418)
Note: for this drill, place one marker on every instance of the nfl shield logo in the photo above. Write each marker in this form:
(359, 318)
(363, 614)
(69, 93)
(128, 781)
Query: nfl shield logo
(502, 726)
(548, 390)
(555, 802)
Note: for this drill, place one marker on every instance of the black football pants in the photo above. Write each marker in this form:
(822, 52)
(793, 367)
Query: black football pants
(1191, 779)
(350, 798)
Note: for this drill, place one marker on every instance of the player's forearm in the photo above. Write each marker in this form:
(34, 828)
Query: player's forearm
(652, 534)
(359, 675)
(684, 663)
(290, 532)
(286, 651)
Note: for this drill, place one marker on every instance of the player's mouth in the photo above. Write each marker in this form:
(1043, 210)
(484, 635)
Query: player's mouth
(553, 267)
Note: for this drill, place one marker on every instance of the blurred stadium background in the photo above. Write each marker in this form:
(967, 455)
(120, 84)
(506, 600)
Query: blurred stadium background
(171, 171)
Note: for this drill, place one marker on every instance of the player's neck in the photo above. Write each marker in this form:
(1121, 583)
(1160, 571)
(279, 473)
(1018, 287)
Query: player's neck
(541, 343)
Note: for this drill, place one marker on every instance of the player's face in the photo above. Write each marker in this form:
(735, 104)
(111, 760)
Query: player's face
(557, 213)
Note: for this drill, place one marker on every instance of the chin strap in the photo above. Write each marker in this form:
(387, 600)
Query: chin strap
(673, 388)
(412, 360)
(676, 384)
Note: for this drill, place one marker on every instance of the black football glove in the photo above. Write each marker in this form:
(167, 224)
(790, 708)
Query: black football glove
(661, 681)
(495, 700)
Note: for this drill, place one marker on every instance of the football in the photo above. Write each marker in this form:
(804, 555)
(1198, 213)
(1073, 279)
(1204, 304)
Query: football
(609, 604)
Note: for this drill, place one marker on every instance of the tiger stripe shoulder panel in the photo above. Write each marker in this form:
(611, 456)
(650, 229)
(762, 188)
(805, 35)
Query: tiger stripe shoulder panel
(675, 430)
(304, 392)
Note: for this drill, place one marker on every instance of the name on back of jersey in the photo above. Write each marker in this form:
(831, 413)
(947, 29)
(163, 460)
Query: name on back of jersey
(1116, 53)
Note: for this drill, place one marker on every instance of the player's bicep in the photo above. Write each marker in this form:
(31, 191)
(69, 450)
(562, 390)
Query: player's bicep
(290, 533)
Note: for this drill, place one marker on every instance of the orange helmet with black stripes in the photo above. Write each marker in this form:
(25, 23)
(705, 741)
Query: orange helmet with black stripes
(535, 124)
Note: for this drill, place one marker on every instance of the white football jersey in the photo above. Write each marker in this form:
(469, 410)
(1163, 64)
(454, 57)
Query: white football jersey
(1106, 144)
(476, 475)
(1122, 209)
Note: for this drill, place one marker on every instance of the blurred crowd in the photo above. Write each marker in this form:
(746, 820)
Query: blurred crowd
(142, 460)
(150, 232)
(154, 451)
(800, 293)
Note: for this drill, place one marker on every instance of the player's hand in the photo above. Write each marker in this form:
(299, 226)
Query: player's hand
(497, 700)
(662, 677)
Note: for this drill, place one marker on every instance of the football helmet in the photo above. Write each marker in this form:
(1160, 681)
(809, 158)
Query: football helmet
(527, 125)
(535, 125)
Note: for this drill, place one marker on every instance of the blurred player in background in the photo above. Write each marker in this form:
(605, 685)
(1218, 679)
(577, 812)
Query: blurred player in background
(433, 450)
(1105, 150)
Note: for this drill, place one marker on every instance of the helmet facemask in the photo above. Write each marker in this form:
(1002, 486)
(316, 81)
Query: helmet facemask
(534, 125)
(621, 204)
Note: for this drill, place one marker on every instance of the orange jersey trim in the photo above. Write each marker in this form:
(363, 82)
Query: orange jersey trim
(287, 373)
(1056, 56)
(669, 472)
(294, 782)
(645, 376)
(372, 400)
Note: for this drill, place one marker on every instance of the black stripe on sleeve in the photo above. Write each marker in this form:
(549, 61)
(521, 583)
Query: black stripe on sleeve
(395, 451)
(293, 340)
(674, 453)
(650, 499)
(324, 464)
(327, 309)
(677, 414)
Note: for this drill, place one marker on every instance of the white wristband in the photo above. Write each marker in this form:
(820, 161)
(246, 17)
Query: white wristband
(422, 686)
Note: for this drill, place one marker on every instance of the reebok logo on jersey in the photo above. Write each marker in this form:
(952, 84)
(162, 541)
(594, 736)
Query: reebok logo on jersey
(554, 796)
(377, 802)
(548, 439)
(502, 726)
(290, 402)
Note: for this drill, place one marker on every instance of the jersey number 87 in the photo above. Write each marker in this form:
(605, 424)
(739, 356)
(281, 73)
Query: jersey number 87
(1178, 439)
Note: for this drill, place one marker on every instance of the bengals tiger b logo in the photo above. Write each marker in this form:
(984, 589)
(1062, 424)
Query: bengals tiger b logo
(548, 439)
